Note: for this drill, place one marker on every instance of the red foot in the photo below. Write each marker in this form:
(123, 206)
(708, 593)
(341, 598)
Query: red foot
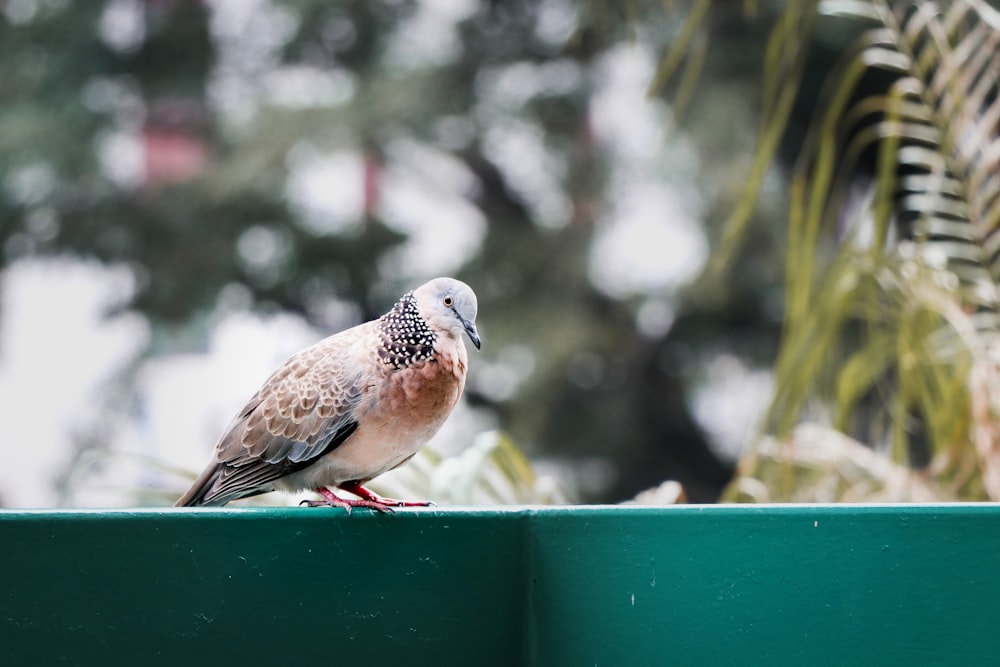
(331, 499)
(370, 496)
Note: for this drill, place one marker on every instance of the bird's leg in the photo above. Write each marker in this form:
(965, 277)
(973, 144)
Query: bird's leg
(331, 499)
(371, 496)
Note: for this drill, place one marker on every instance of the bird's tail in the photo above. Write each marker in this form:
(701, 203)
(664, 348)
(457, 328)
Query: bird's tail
(195, 496)
(208, 492)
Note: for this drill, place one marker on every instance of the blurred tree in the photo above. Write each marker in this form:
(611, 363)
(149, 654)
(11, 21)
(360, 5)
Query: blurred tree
(179, 137)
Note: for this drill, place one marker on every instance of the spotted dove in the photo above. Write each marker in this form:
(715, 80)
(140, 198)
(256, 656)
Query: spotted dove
(350, 407)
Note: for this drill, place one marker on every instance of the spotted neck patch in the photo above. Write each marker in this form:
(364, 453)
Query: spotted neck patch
(406, 338)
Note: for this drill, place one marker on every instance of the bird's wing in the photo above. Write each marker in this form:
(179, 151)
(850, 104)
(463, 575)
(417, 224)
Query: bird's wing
(304, 410)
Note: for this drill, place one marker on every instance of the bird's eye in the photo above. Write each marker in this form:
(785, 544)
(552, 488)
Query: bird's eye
(448, 301)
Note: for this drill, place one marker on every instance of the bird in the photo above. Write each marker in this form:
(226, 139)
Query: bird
(349, 408)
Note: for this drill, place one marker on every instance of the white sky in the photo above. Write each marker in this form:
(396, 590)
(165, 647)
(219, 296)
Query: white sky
(57, 351)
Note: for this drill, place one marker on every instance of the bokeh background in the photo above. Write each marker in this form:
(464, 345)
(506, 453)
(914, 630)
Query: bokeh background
(191, 191)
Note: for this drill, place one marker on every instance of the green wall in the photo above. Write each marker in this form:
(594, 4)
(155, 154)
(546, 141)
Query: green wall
(685, 585)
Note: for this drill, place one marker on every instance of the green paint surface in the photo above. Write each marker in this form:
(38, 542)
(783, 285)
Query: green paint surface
(685, 585)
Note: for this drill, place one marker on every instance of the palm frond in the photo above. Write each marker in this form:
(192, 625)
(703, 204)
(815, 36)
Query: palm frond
(784, 63)
(900, 308)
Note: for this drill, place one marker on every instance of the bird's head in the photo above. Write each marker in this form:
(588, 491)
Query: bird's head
(449, 305)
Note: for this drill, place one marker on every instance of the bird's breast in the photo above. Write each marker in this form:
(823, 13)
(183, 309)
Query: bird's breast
(425, 392)
(399, 411)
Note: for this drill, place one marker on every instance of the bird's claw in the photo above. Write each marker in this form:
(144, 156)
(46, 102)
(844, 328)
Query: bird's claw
(366, 498)
(369, 495)
(332, 500)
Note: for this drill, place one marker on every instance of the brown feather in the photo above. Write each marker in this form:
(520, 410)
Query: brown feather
(294, 417)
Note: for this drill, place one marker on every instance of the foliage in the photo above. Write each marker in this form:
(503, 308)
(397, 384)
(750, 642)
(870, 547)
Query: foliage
(815, 464)
(891, 333)
(492, 470)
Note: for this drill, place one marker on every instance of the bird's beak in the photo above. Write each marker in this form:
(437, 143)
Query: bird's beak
(470, 329)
